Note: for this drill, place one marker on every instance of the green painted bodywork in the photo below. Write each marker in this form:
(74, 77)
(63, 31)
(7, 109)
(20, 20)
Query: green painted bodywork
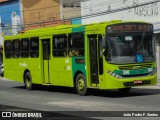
(78, 67)
(62, 71)
(134, 72)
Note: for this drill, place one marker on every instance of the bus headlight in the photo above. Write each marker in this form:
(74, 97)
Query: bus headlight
(114, 74)
(154, 71)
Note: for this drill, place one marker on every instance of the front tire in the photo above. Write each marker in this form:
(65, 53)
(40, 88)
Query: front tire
(81, 85)
(28, 81)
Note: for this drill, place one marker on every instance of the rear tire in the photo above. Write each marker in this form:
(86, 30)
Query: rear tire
(28, 81)
(81, 85)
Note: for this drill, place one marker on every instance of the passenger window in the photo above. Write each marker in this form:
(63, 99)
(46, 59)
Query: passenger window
(16, 48)
(76, 44)
(7, 49)
(34, 47)
(60, 45)
(25, 48)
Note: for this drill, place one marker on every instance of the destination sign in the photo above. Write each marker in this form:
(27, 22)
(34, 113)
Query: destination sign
(130, 28)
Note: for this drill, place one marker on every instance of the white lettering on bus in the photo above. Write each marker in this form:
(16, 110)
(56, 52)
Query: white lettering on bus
(68, 67)
(66, 60)
(125, 72)
(22, 64)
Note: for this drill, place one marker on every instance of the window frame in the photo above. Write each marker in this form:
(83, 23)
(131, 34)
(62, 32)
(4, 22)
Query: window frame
(6, 52)
(16, 52)
(34, 53)
(59, 51)
(23, 52)
(80, 50)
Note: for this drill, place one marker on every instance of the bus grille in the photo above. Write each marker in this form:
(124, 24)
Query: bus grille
(135, 66)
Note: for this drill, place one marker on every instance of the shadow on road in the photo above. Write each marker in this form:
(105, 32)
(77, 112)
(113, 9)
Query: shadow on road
(133, 92)
(94, 92)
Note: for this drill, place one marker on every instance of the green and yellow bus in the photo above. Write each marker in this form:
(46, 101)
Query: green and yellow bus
(108, 55)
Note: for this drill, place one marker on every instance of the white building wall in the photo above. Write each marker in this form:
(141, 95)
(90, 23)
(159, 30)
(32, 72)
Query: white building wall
(106, 10)
(70, 8)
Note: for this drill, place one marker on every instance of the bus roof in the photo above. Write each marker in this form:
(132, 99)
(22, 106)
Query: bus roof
(72, 28)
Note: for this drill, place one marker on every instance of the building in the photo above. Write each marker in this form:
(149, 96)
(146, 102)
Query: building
(19, 15)
(138, 10)
(9, 17)
(40, 13)
(71, 9)
(10, 20)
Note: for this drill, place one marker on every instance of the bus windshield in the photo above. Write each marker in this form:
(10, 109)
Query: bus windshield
(123, 49)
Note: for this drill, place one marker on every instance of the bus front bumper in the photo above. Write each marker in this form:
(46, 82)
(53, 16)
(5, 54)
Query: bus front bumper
(110, 82)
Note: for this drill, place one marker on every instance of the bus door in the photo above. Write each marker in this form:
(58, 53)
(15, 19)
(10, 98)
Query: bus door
(93, 55)
(46, 59)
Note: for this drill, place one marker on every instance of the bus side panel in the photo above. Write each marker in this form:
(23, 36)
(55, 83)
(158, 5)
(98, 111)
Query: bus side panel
(36, 77)
(35, 70)
(12, 70)
(61, 72)
(15, 68)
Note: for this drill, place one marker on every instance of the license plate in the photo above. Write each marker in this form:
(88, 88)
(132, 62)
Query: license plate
(137, 82)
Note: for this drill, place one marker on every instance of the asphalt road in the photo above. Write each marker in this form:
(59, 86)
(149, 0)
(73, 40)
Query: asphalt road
(47, 98)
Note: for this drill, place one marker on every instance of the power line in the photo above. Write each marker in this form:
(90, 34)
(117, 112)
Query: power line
(118, 10)
(3, 12)
(108, 12)
(95, 5)
(68, 12)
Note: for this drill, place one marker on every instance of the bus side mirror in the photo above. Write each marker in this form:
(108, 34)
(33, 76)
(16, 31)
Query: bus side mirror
(106, 53)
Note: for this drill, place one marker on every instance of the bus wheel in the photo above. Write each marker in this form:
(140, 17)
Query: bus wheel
(81, 85)
(28, 81)
(124, 90)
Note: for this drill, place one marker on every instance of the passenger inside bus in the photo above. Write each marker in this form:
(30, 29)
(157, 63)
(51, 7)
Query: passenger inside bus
(73, 52)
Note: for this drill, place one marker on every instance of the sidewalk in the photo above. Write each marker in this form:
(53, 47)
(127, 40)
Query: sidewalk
(158, 82)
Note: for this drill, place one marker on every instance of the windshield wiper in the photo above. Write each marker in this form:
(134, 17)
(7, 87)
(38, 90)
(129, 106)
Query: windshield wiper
(141, 42)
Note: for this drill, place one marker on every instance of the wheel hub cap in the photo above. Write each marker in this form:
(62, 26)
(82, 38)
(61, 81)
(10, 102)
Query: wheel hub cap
(81, 84)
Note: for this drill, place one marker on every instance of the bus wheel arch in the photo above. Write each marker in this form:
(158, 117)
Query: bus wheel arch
(80, 83)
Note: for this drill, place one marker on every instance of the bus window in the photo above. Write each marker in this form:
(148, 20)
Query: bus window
(16, 48)
(7, 48)
(59, 45)
(25, 48)
(76, 44)
(34, 47)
